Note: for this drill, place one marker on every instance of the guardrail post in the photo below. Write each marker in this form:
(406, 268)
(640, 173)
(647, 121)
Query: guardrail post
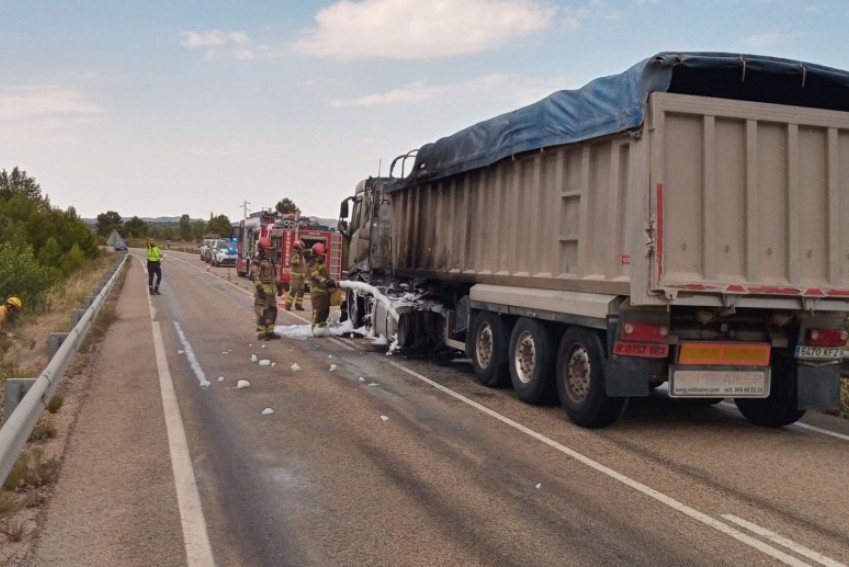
(54, 341)
(13, 392)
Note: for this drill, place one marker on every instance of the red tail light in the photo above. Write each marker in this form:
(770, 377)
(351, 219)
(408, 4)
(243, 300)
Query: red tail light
(644, 332)
(826, 337)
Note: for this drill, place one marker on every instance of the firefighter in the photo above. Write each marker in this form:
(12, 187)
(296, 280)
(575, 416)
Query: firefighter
(298, 274)
(154, 266)
(320, 286)
(10, 309)
(264, 277)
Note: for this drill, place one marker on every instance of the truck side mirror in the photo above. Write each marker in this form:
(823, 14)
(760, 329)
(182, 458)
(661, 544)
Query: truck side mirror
(343, 210)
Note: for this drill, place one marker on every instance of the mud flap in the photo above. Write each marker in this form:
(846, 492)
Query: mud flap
(627, 377)
(818, 387)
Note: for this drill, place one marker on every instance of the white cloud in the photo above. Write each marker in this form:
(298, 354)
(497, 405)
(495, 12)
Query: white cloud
(761, 40)
(518, 90)
(39, 102)
(43, 114)
(238, 44)
(415, 30)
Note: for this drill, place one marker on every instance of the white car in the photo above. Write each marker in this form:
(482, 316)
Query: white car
(206, 247)
(223, 253)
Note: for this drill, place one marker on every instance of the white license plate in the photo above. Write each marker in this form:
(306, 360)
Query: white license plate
(719, 384)
(818, 352)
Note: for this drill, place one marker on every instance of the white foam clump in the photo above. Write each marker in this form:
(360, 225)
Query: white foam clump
(221, 378)
(265, 362)
(254, 358)
(267, 411)
(242, 384)
(361, 379)
(333, 367)
(384, 418)
(371, 290)
(295, 367)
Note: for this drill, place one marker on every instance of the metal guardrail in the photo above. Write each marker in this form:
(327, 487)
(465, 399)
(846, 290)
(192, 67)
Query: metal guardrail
(19, 426)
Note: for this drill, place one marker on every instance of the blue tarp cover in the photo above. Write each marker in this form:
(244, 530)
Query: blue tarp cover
(618, 103)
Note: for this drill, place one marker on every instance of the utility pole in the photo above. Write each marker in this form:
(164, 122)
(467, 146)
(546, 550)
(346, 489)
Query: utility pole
(245, 209)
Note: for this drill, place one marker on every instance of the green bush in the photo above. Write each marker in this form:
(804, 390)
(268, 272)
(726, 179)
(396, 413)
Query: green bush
(22, 275)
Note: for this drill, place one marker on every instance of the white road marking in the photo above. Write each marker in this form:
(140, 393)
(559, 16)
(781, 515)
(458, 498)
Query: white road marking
(638, 486)
(783, 541)
(799, 425)
(195, 536)
(190, 355)
(821, 430)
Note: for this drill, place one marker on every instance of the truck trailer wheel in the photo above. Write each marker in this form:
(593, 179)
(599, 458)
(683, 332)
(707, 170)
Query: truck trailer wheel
(356, 305)
(489, 349)
(780, 408)
(531, 356)
(580, 380)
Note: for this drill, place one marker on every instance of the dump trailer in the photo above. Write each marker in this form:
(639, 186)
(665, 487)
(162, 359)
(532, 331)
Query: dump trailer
(683, 222)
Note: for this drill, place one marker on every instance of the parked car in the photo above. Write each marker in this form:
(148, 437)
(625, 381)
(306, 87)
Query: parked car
(206, 247)
(224, 253)
(120, 247)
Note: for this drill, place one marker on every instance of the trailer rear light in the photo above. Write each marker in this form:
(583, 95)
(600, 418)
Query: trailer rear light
(645, 332)
(826, 337)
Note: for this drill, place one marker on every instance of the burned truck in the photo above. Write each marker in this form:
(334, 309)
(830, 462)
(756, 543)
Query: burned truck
(681, 223)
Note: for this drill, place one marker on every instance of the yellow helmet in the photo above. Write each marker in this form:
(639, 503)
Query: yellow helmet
(15, 301)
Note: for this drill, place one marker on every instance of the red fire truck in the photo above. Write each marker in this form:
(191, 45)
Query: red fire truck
(255, 226)
(288, 229)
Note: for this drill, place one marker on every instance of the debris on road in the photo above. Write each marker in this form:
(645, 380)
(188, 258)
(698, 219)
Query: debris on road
(295, 367)
(333, 367)
(267, 411)
(242, 384)
(265, 362)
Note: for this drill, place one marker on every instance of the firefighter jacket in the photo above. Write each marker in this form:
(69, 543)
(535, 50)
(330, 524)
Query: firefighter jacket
(263, 276)
(4, 315)
(318, 276)
(297, 263)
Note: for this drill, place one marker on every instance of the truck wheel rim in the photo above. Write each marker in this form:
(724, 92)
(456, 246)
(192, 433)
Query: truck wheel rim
(483, 346)
(578, 373)
(524, 357)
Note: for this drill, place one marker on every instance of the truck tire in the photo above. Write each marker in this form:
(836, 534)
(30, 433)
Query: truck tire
(356, 305)
(530, 363)
(580, 380)
(490, 344)
(780, 408)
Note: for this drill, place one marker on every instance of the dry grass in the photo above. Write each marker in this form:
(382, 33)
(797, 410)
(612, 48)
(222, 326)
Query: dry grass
(26, 487)
(32, 471)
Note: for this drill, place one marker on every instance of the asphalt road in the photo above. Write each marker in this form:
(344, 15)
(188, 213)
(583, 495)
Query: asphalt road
(379, 460)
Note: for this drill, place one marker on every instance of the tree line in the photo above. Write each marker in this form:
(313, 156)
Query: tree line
(40, 245)
(186, 229)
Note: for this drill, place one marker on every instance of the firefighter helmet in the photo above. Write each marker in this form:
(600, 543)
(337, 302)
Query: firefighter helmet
(299, 245)
(318, 249)
(15, 302)
(265, 243)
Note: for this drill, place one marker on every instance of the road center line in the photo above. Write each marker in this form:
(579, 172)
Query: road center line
(628, 481)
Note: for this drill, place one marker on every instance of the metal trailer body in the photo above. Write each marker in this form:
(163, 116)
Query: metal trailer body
(702, 246)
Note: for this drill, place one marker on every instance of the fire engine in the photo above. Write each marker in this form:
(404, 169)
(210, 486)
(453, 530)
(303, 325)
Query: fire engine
(288, 229)
(251, 229)
(284, 231)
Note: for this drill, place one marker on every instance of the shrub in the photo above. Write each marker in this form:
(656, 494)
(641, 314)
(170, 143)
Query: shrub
(55, 403)
(22, 275)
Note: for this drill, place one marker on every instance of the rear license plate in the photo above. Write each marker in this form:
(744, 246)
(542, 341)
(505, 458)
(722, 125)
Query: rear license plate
(818, 352)
(719, 384)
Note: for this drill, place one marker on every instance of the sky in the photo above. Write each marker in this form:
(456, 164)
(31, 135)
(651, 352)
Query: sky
(163, 108)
